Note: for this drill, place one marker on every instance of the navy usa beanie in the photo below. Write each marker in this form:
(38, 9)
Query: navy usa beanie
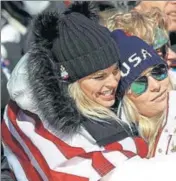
(135, 57)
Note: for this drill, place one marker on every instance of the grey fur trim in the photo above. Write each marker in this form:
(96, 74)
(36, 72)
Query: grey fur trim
(51, 93)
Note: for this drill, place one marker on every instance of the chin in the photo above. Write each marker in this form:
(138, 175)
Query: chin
(108, 104)
(161, 110)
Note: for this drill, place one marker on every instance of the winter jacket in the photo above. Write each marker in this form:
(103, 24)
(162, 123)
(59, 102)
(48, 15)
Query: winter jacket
(68, 147)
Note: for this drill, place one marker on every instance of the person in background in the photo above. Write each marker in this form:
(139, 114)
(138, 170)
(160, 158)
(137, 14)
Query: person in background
(63, 114)
(169, 10)
(150, 27)
(167, 7)
(149, 95)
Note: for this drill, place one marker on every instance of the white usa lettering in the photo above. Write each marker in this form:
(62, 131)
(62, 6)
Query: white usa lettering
(136, 60)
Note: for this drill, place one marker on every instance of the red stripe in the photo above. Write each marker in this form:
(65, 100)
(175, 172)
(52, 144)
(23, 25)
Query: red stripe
(141, 146)
(101, 164)
(17, 149)
(114, 147)
(118, 147)
(12, 112)
(128, 154)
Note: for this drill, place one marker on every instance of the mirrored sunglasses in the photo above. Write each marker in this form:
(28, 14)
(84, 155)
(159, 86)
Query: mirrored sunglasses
(140, 85)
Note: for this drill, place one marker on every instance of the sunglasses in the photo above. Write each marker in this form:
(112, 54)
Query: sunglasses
(140, 85)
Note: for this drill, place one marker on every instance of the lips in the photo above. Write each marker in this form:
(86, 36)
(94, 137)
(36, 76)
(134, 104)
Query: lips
(108, 95)
(160, 97)
(172, 15)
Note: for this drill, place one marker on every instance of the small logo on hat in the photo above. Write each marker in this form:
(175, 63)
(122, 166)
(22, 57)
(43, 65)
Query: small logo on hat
(64, 73)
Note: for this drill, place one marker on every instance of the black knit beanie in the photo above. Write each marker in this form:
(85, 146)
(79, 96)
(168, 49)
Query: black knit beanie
(78, 44)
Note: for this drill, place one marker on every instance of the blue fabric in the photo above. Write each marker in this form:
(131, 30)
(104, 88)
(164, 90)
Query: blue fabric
(135, 57)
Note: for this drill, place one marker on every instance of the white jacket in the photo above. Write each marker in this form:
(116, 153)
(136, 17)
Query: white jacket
(166, 139)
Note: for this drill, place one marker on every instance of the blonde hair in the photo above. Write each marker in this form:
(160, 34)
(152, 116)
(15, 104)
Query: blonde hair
(139, 24)
(148, 127)
(89, 108)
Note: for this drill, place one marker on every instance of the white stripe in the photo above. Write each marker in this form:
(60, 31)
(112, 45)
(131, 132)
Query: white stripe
(15, 164)
(128, 144)
(26, 149)
(115, 157)
(80, 167)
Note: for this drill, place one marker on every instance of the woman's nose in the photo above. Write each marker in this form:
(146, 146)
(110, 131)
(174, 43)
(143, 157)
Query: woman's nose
(113, 80)
(154, 85)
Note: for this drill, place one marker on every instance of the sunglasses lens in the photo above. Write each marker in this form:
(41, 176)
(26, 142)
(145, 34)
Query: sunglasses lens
(139, 86)
(159, 72)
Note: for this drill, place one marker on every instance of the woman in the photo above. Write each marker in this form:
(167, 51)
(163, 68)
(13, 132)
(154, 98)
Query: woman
(145, 83)
(62, 123)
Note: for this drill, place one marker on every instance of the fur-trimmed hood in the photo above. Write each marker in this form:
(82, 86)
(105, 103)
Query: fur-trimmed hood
(37, 90)
(51, 93)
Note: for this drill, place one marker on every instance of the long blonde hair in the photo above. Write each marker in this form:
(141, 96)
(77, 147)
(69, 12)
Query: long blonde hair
(148, 127)
(139, 24)
(89, 108)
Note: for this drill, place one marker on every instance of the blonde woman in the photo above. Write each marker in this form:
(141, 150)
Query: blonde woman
(145, 84)
(151, 27)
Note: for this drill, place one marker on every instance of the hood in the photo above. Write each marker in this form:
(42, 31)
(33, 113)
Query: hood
(34, 91)
(50, 92)
(18, 86)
